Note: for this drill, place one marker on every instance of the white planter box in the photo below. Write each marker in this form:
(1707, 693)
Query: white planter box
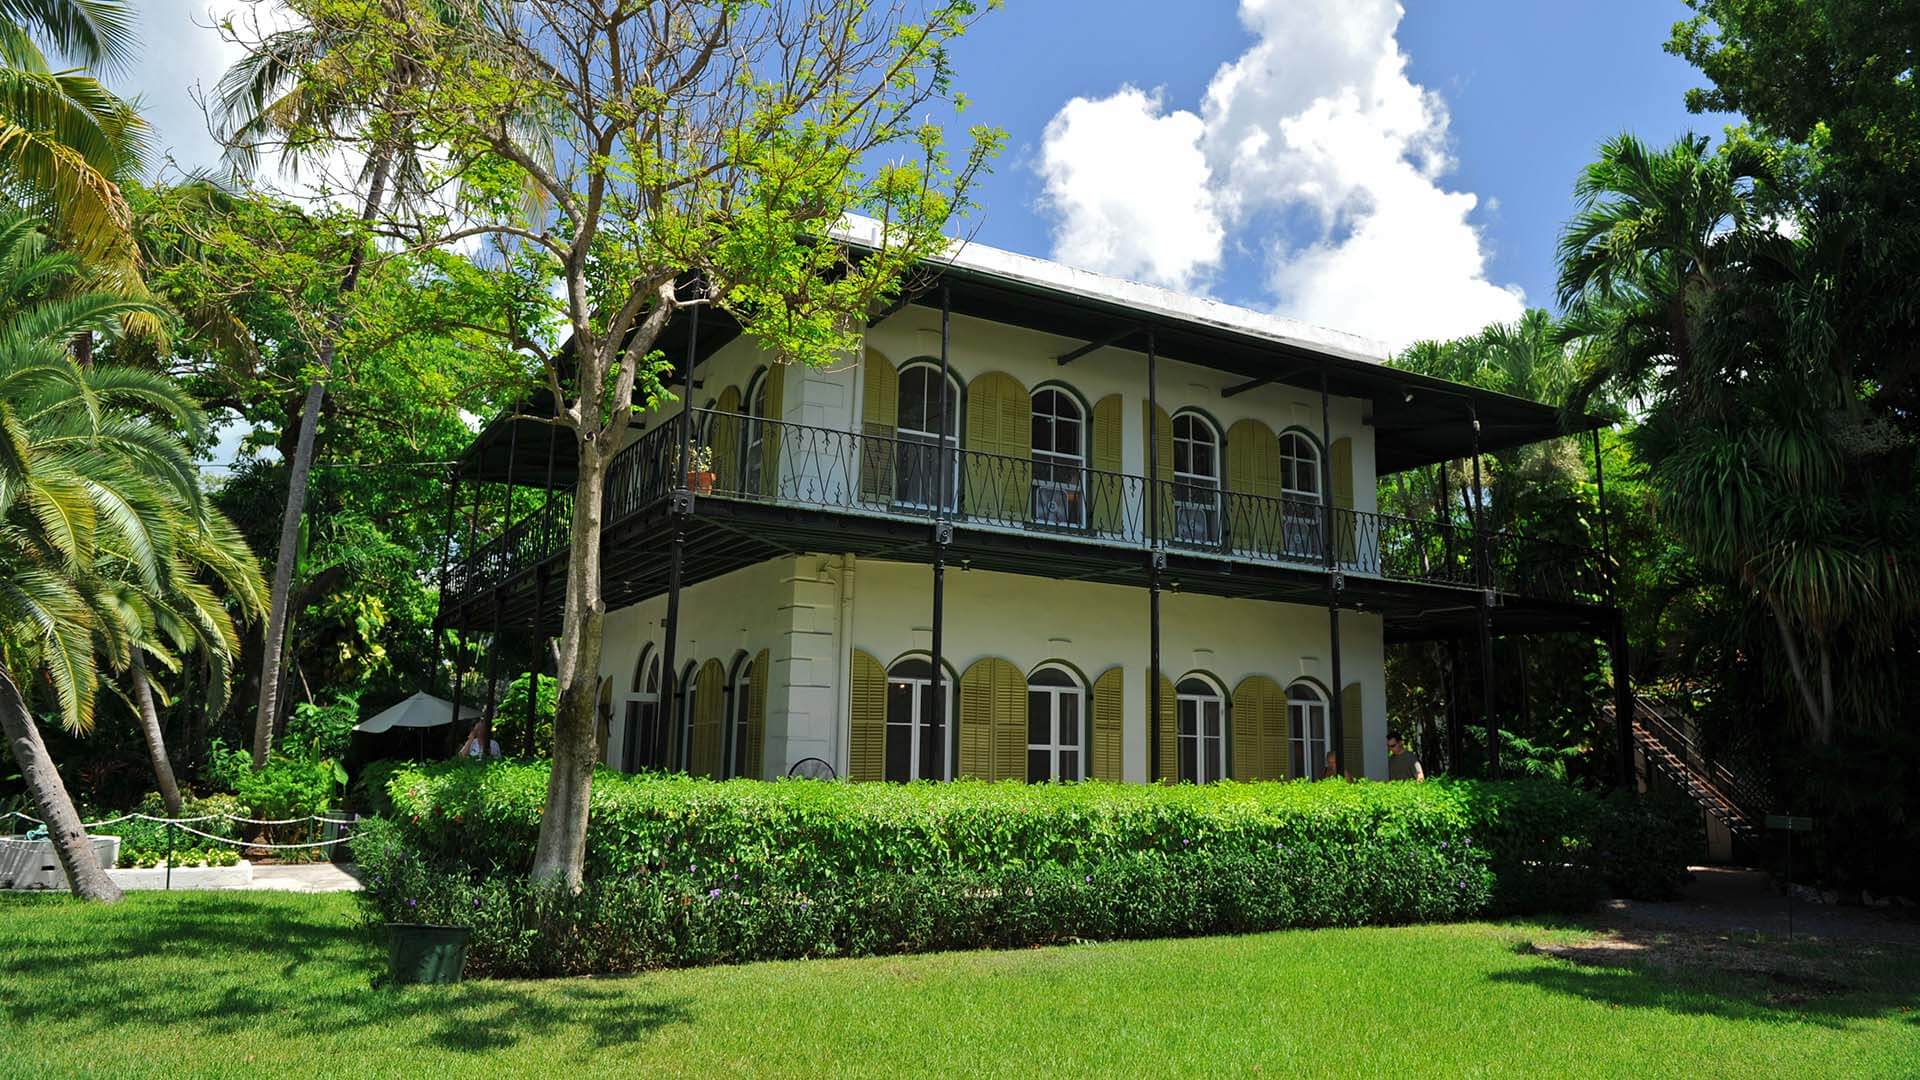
(236, 876)
(25, 865)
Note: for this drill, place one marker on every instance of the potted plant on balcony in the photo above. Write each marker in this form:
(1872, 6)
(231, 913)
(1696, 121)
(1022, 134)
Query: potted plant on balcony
(700, 474)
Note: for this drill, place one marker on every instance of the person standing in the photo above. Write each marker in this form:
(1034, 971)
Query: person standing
(1401, 764)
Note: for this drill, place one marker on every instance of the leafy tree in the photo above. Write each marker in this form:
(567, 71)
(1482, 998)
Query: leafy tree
(93, 477)
(695, 155)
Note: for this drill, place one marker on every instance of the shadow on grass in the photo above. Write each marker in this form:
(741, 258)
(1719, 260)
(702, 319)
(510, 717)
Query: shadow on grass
(1830, 985)
(285, 967)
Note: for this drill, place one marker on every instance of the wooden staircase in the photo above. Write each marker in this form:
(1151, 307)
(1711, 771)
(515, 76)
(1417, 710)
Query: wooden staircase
(1732, 798)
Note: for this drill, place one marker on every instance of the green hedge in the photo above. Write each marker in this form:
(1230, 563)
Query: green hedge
(686, 871)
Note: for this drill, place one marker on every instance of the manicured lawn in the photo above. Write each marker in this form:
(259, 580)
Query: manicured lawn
(253, 984)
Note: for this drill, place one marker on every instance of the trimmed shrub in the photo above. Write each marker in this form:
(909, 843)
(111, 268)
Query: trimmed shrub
(684, 871)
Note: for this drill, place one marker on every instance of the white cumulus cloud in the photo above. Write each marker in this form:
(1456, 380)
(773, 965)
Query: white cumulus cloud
(1316, 122)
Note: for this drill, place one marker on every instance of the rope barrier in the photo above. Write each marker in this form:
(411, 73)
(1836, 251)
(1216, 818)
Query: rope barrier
(202, 817)
(267, 847)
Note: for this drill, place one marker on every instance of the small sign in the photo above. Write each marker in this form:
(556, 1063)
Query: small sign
(1789, 823)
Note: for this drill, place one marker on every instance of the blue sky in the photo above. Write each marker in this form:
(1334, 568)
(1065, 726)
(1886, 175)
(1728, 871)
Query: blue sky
(1524, 90)
(1393, 172)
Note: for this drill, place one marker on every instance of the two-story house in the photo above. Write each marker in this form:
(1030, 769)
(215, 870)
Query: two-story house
(1045, 525)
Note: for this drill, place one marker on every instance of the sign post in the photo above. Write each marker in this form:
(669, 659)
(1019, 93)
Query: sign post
(1789, 824)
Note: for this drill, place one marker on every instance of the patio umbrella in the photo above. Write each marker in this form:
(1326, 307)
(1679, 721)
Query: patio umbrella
(422, 710)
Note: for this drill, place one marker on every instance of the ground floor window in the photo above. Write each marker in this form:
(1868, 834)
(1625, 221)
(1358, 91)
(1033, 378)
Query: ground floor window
(643, 743)
(1200, 714)
(1056, 705)
(1307, 724)
(737, 734)
(916, 729)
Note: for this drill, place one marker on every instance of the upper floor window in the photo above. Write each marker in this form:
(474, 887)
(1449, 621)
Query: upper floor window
(1056, 711)
(1196, 479)
(920, 422)
(1059, 458)
(916, 729)
(1299, 467)
(753, 436)
(1200, 712)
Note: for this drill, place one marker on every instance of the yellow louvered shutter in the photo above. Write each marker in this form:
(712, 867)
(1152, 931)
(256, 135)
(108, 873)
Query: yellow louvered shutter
(756, 733)
(1109, 726)
(1259, 729)
(1169, 729)
(867, 719)
(1104, 490)
(770, 434)
(1255, 522)
(993, 721)
(1340, 462)
(1353, 756)
(880, 409)
(1157, 427)
(998, 471)
(708, 741)
(724, 440)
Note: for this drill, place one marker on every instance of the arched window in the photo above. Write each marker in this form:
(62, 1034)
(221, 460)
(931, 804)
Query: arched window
(687, 684)
(643, 743)
(737, 724)
(1059, 458)
(1196, 479)
(1200, 713)
(1056, 725)
(753, 435)
(918, 428)
(1307, 727)
(1300, 494)
(916, 730)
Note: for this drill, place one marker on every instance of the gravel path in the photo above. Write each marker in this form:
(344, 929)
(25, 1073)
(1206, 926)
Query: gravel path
(1731, 899)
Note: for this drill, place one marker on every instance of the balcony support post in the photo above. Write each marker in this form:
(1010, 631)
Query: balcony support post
(539, 639)
(459, 636)
(1156, 560)
(942, 533)
(499, 586)
(1337, 720)
(1483, 575)
(1443, 512)
(681, 505)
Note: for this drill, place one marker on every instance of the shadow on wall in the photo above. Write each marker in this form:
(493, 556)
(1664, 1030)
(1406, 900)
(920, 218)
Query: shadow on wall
(309, 969)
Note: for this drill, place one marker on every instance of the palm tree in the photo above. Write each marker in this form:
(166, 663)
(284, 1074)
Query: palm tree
(94, 477)
(1684, 291)
(66, 142)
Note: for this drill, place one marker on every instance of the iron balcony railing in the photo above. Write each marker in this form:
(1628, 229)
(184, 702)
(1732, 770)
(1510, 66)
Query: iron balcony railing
(893, 475)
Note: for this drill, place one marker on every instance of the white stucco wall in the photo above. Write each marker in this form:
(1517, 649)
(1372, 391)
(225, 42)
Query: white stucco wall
(810, 611)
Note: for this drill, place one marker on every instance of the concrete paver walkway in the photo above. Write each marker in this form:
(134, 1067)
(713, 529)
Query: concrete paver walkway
(305, 877)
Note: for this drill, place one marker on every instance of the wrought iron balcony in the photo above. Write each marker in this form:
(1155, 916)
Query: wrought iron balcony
(893, 476)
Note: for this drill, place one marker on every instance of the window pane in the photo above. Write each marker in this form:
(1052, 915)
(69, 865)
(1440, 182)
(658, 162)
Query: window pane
(1038, 766)
(899, 702)
(1185, 712)
(1039, 712)
(899, 752)
(1212, 713)
(1069, 719)
(1069, 765)
(1187, 762)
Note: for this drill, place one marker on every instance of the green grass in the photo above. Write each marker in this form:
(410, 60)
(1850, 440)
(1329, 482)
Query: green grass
(252, 984)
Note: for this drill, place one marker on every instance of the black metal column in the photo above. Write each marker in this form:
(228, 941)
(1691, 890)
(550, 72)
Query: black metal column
(1484, 576)
(539, 637)
(942, 535)
(1156, 563)
(1336, 715)
(676, 549)
(493, 646)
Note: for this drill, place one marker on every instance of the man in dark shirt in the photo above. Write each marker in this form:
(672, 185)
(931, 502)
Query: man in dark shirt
(1402, 765)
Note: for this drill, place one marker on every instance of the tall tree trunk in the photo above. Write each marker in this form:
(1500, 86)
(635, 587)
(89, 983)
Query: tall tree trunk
(156, 741)
(560, 854)
(278, 617)
(70, 843)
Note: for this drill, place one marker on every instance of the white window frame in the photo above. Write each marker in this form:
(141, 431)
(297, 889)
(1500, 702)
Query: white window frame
(930, 439)
(1309, 730)
(917, 724)
(1073, 495)
(1199, 700)
(1189, 481)
(737, 723)
(688, 685)
(753, 435)
(1054, 746)
(1302, 506)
